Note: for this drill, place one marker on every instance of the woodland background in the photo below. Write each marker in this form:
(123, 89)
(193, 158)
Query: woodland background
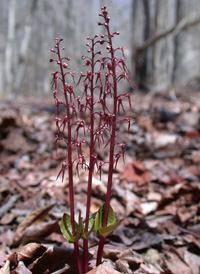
(161, 40)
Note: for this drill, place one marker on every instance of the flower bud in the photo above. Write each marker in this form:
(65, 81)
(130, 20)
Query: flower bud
(65, 65)
(58, 119)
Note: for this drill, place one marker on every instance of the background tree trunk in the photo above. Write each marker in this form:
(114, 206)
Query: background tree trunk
(9, 49)
(23, 54)
(2, 39)
(187, 43)
(173, 44)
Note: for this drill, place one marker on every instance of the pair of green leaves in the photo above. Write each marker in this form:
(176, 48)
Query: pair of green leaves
(66, 228)
(95, 221)
(112, 223)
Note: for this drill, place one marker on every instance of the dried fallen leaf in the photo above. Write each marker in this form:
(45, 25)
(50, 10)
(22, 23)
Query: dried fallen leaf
(103, 269)
(148, 207)
(7, 218)
(152, 269)
(128, 261)
(111, 252)
(35, 233)
(35, 217)
(193, 261)
(164, 139)
(21, 269)
(6, 268)
(20, 143)
(55, 259)
(148, 239)
(30, 252)
(175, 264)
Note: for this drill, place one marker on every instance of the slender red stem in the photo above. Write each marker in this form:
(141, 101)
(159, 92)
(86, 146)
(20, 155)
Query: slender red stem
(70, 165)
(100, 250)
(113, 134)
(91, 162)
(112, 148)
(78, 259)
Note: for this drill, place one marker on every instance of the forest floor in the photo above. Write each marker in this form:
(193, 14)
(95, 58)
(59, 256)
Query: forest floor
(156, 191)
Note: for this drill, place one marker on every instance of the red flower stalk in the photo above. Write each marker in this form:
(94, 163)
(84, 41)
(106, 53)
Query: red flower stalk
(117, 103)
(101, 78)
(66, 91)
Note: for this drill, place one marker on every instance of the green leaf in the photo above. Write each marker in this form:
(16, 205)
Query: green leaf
(66, 228)
(90, 227)
(111, 224)
(108, 230)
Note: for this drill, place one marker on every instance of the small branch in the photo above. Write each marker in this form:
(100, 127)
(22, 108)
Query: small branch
(188, 21)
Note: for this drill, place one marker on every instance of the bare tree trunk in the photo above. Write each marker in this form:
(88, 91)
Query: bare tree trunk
(2, 50)
(9, 48)
(187, 65)
(164, 49)
(24, 47)
(173, 41)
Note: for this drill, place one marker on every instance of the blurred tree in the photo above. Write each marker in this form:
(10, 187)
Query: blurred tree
(166, 44)
(25, 42)
(9, 48)
(2, 48)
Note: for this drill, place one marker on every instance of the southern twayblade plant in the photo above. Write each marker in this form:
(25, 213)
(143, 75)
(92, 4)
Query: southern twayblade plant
(100, 102)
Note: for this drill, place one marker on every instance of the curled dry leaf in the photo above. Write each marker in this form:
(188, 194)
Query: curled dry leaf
(55, 259)
(30, 252)
(128, 261)
(111, 252)
(136, 172)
